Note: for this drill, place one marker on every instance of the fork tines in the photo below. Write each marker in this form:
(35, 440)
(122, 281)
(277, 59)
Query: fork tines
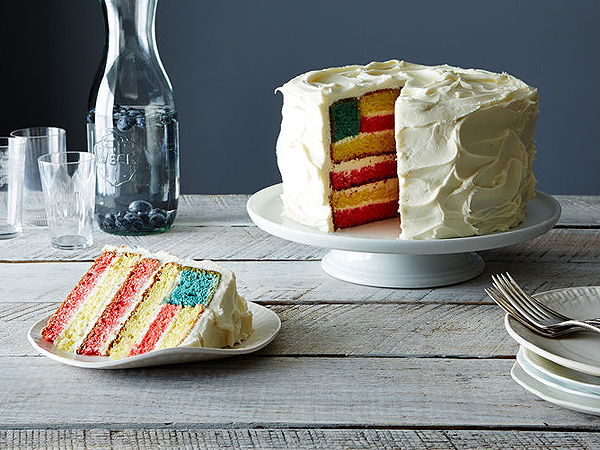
(501, 301)
(521, 306)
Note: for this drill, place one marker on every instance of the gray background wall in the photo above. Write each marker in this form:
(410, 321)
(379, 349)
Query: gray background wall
(225, 58)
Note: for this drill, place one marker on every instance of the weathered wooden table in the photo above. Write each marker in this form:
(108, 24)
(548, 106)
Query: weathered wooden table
(353, 366)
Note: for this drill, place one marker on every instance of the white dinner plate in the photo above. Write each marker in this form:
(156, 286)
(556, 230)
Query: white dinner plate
(558, 397)
(558, 376)
(266, 325)
(578, 351)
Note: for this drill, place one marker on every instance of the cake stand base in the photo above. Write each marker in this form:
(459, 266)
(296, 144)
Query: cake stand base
(402, 270)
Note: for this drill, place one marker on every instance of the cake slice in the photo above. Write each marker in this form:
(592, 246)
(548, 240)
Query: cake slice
(131, 302)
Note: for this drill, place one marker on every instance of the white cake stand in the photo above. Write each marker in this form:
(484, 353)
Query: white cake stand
(373, 255)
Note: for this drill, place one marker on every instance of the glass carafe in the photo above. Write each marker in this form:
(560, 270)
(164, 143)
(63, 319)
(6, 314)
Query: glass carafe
(132, 125)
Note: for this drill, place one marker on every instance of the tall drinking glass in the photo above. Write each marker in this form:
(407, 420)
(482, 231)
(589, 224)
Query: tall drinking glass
(12, 157)
(38, 142)
(69, 186)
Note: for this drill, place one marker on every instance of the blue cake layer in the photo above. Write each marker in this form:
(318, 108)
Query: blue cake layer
(195, 287)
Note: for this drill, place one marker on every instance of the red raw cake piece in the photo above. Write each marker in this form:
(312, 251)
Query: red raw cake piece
(157, 328)
(367, 174)
(117, 310)
(63, 315)
(364, 214)
(370, 124)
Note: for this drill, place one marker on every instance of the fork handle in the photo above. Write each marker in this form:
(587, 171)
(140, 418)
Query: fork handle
(591, 325)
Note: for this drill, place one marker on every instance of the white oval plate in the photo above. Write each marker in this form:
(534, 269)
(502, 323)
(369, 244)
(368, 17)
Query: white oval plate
(577, 351)
(266, 325)
(266, 211)
(550, 394)
(557, 376)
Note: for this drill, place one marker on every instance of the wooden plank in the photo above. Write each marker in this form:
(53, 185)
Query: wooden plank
(210, 242)
(251, 243)
(342, 330)
(217, 227)
(281, 391)
(213, 210)
(304, 282)
(566, 245)
(295, 438)
(230, 210)
(579, 210)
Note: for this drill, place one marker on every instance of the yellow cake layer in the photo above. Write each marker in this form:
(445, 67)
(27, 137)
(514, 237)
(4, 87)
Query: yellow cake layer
(365, 144)
(377, 192)
(182, 323)
(102, 293)
(378, 102)
(135, 327)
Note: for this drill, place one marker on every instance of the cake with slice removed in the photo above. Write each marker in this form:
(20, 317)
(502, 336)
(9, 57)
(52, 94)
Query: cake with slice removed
(447, 151)
(131, 302)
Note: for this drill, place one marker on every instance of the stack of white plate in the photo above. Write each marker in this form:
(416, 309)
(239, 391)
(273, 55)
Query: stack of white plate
(565, 370)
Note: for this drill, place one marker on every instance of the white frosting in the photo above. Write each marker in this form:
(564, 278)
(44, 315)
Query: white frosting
(226, 320)
(361, 163)
(464, 141)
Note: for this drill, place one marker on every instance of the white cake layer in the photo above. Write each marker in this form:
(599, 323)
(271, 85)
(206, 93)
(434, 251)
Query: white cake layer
(361, 163)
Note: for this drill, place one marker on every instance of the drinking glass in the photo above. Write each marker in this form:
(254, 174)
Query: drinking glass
(12, 158)
(69, 186)
(39, 141)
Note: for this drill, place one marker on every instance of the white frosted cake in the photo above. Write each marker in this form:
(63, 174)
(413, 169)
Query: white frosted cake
(132, 302)
(447, 150)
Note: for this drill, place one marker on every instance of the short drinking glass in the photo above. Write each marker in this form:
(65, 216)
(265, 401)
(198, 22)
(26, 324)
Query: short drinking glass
(69, 186)
(38, 142)
(12, 158)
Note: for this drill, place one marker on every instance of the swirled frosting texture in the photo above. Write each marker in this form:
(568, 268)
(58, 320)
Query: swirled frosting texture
(464, 141)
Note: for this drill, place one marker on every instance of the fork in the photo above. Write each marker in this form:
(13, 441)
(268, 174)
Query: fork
(532, 313)
(501, 301)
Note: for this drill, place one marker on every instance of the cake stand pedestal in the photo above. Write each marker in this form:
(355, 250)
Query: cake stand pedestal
(373, 255)
(402, 270)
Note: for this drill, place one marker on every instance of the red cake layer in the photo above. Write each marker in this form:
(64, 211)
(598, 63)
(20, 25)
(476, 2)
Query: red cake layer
(156, 329)
(63, 315)
(118, 307)
(368, 174)
(369, 124)
(361, 215)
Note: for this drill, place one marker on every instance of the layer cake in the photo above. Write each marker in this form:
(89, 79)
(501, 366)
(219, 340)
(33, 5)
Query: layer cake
(447, 150)
(132, 301)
